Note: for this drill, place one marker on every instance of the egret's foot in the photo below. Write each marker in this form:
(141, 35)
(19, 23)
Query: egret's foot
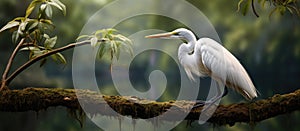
(199, 103)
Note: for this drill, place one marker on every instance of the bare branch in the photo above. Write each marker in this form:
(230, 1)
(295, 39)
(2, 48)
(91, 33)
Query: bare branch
(253, 8)
(10, 61)
(35, 59)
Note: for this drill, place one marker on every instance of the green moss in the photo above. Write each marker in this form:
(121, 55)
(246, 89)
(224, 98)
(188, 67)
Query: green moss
(41, 98)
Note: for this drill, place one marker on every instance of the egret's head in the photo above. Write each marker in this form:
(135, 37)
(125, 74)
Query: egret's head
(180, 33)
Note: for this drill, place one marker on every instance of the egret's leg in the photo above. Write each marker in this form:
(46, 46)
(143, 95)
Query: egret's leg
(212, 100)
(199, 103)
(209, 102)
(216, 98)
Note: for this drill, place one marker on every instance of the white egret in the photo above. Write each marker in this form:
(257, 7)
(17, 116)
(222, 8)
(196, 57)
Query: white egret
(206, 57)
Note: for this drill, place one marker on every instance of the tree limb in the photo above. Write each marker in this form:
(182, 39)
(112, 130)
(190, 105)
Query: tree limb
(33, 60)
(9, 63)
(253, 8)
(42, 98)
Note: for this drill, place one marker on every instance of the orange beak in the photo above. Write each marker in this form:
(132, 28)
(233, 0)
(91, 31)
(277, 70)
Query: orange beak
(160, 35)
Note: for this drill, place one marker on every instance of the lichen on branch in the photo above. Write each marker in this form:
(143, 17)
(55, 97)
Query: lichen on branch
(42, 98)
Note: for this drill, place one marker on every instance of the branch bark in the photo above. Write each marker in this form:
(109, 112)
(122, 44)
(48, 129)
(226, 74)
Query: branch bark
(9, 63)
(32, 61)
(42, 98)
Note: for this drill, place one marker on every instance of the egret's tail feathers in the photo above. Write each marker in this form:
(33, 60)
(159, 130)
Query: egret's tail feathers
(249, 92)
(249, 95)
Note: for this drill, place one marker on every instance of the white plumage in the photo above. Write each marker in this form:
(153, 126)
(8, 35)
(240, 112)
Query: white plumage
(206, 57)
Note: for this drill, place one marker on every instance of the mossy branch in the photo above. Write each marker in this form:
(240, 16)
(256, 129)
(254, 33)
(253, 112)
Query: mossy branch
(42, 98)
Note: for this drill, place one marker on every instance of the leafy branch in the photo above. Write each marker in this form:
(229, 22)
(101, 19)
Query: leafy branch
(279, 6)
(32, 34)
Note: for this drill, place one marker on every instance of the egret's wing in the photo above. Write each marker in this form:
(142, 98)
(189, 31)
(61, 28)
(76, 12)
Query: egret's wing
(224, 67)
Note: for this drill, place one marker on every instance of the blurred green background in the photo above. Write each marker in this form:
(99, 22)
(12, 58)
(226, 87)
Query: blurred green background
(269, 49)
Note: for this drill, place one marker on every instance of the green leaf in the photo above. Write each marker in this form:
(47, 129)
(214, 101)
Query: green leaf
(102, 49)
(112, 46)
(99, 32)
(82, 36)
(118, 50)
(94, 41)
(296, 10)
(34, 51)
(54, 57)
(22, 27)
(32, 24)
(59, 5)
(290, 9)
(109, 41)
(50, 42)
(239, 5)
(30, 48)
(10, 25)
(31, 6)
(46, 36)
(61, 58)
(19, 19)
(43, 7)
(48, 11)
(38, 52)
(15, 37)
(55, 5)
(47, 21)
(105, 32)
(45, 24)
(30, 9)
(123, 39)
(245, 8)
(111, 30)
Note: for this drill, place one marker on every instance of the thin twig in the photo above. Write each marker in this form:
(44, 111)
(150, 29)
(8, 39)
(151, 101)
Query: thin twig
(253, 9)
(10, 61)
(35, 59)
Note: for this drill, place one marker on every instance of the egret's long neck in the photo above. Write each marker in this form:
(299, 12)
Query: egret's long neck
(191, 41)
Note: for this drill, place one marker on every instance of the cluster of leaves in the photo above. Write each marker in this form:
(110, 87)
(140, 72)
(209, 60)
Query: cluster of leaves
(109, 40)
(280, 6)
(32, 34)
(36, 30)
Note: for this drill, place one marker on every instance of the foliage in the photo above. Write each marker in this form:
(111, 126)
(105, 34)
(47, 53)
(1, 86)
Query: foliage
(108, 40)
(33, 35)
(269, 50)
(280, 6)
(35, 30)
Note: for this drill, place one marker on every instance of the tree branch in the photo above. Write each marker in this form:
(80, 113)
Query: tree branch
(42, 98)
(9, 63)
(35, 59)
(253, 8)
